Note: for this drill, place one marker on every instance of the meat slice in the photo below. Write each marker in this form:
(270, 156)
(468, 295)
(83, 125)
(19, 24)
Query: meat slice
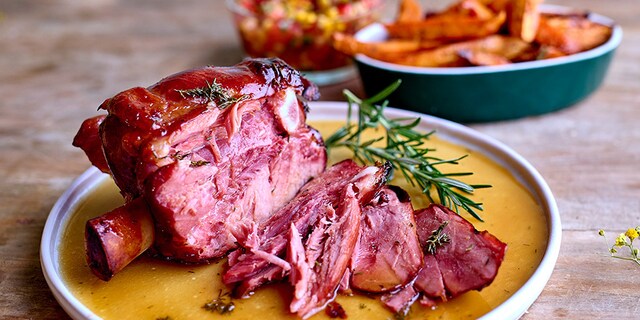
(388, 254)
(212, 152)
(470, 260)
(315, 201)
(429, 279)
(399, 301)
(467, 260)
(318, 266)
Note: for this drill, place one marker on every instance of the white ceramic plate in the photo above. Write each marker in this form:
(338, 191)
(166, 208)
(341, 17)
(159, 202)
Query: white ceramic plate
(515, 164)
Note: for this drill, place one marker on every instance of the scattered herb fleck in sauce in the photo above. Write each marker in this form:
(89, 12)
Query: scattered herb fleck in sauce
(222, 304)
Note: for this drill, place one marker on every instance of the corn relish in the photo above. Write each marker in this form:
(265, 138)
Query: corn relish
(300, 31)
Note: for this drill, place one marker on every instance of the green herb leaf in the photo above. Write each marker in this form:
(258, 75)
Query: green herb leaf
(213, 92)
(437, 239)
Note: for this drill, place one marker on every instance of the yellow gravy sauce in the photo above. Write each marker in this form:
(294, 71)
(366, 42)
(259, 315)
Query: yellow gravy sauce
(153, 289)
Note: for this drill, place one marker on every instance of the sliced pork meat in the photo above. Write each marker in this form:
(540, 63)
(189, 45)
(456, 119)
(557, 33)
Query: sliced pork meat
(470, 260)
(388, 254)
(318, 267)
(317, 199)
(400, 300)
(231, 197)
(429, 279)
(213, 152)
(467, 260)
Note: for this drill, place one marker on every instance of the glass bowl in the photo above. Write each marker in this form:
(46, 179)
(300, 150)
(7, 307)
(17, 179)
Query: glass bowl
(300, 32)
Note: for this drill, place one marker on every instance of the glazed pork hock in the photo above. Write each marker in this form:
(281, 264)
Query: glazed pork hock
(202, 158)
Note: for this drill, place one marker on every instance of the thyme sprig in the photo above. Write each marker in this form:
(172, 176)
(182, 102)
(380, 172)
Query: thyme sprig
(437, 239)
(212, 92)
(625, 240)
(405, 149)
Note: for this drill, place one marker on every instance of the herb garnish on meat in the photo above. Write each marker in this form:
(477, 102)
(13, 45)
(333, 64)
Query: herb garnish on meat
(437, 239)
(213, 92)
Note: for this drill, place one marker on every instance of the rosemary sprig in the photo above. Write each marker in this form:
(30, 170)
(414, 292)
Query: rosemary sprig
(213, 92)
(404, 149)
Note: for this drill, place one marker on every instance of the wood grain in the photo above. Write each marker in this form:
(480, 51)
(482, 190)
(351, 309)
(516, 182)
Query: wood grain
(60, 59)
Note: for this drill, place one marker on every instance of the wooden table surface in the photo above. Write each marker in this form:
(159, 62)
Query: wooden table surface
(60, 59)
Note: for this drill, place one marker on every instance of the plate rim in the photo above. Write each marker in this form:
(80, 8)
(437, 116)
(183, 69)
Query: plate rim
(56, 220)
(512, 308)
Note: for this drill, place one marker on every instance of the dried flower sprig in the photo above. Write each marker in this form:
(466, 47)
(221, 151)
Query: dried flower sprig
(625, 240)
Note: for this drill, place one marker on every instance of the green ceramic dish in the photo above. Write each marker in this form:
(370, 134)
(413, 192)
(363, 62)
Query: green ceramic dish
(491, 93)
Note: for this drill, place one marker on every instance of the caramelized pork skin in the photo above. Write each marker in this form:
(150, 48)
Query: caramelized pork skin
(147, 127)
(88, 139)
(211, 152)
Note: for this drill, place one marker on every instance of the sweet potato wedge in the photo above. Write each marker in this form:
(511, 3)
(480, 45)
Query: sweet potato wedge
(468, 8)
(447, 28)
(410, 11)
(539, 52)
(572, 33)
(523, 18)
(496, 5)
(389, 50)
(448, 55)
(481, 58)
